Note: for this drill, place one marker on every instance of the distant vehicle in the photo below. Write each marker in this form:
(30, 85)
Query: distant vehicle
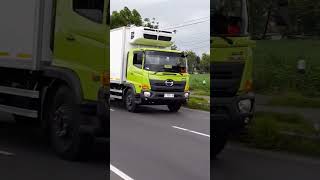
(145, 70)
(231, 72)
(53, 68)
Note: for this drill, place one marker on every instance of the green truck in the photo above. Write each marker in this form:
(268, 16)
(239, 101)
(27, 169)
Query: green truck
(145, 71)
(231, 70)
(54, 65)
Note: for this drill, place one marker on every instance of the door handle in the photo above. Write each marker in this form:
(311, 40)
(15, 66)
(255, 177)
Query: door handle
(70, 37)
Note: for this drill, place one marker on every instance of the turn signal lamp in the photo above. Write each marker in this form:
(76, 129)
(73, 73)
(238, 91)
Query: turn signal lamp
(105, 79)
(248, 86)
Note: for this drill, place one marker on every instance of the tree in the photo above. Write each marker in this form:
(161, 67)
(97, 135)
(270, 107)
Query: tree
(151, 23)
(205, 63)
(125, 17)
(174, 47)
(192, 61)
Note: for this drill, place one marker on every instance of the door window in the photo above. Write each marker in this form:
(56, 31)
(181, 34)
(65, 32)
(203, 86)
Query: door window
(138, 59)
(90, 9)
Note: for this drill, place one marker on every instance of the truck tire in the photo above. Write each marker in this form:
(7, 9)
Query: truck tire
(174, 107)
(130, 101)
(64, 125)
(219, 143)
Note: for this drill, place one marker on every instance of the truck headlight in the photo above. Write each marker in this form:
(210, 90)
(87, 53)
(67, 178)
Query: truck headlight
(245, 106)
(186, 95)
(147, 94)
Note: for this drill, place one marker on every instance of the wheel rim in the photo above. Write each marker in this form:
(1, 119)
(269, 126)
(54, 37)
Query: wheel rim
(61, 125)
(129, 101)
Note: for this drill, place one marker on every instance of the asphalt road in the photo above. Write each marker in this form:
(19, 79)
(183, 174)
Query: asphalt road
(25, 154)
(239, 163)
(156, 144)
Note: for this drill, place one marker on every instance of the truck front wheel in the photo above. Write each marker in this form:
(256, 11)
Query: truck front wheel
(64, 121)
(174, 107)
(130, 101)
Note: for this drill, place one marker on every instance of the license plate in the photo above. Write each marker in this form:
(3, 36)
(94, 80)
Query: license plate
(169, 95)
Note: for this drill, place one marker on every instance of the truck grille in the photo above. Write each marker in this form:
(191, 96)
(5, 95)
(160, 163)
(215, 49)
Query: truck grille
(159, 85)
(226, 78)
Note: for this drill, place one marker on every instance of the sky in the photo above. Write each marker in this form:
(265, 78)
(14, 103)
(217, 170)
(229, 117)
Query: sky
(172, 13)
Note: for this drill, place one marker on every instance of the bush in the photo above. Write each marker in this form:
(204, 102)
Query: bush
(275, 67)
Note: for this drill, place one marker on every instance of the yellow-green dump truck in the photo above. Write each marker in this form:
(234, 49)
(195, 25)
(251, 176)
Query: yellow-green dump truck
(54, 59)
(231, 70)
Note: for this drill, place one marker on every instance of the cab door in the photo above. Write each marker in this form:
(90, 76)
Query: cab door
(81, 40)
(135, 69)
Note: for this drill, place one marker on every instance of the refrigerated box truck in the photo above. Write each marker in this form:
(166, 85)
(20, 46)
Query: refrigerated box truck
(53, 69)
(145, 70)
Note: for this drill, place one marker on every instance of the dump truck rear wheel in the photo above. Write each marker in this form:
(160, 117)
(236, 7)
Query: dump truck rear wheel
(64, 122)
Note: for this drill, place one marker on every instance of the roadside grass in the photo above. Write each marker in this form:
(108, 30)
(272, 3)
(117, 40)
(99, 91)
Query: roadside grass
(292, 99)
(198, 103)
(275, 67)
(268, 131)
(197, 86)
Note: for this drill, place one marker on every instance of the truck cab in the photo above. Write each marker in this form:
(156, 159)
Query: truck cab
(231, 70)
(54, 59)
(150, 73)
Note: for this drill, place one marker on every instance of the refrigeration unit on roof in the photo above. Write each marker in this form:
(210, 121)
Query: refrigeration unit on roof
(151, 37)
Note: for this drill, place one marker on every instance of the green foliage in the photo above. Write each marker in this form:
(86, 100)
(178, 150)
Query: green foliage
(204, 66)
(301, 16)
(197, 86)
(292, 99)
(267, 132)
(125, 17)
(198, 103)
(192, 61)
(275, 65)
(151, 23)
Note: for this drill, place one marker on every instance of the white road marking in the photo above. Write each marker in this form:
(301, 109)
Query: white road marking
(120, 173)
(4, 153)
(188, 130)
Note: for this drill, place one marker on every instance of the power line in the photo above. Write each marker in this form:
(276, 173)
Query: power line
(186, 25)
(194, 41)
(185, 22)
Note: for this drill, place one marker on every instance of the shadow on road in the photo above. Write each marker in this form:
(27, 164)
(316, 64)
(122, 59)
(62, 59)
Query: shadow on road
(145, 109)
(29, 137)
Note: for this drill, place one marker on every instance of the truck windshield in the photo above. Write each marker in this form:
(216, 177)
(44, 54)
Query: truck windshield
(165, 62)
(229, 18)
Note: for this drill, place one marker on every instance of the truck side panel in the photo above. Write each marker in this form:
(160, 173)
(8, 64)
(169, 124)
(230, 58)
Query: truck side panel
(117, 55)
(20, 35)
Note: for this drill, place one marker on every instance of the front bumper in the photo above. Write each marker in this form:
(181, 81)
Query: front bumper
(158, 98)
(226, 115)
(96, 116)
